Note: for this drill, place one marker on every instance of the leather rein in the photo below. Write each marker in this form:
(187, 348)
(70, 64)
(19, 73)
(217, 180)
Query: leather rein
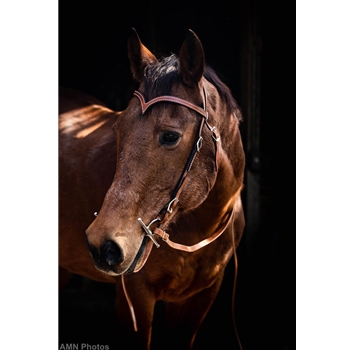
(165, 214)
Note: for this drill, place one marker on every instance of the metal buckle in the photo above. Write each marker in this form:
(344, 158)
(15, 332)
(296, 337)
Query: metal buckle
(169, 209)
(148, 232)
(213, 134)
(199, 143)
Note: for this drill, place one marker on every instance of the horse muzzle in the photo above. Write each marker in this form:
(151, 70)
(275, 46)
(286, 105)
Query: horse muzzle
(112, 259)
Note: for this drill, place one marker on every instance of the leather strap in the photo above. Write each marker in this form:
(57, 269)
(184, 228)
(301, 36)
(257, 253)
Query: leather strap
(165, 98)
(131, 308)
(168, 209)
(165, 237)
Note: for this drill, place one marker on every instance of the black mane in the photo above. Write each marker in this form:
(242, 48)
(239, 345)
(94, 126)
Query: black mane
(223, 91)
(161, 76)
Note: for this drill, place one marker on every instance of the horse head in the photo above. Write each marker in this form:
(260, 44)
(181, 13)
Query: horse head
(169, 155)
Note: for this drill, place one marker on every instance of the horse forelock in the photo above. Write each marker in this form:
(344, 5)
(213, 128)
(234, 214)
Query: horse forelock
(161, 76)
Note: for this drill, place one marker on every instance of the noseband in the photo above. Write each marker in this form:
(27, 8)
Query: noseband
(164, 215)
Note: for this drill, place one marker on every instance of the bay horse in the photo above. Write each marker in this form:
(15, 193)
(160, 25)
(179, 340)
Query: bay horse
(150, 197)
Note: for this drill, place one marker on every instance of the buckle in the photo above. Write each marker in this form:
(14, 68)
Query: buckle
(199, 143)
(169, 209)
(213, 134)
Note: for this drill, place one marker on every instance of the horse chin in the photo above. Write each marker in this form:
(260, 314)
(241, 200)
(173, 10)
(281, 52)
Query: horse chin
(141, 256)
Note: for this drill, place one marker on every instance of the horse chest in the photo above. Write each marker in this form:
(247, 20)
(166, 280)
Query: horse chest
(185, 274)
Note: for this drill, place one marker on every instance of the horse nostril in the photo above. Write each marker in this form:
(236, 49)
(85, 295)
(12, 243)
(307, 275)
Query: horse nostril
(111, 253)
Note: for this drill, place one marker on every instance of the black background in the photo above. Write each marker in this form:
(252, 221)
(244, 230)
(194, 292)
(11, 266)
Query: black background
(93, 58)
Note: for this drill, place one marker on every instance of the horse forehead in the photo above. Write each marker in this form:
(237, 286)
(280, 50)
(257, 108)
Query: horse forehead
(173, 115)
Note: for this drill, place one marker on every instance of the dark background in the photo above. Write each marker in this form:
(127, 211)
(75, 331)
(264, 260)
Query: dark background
(251, 45)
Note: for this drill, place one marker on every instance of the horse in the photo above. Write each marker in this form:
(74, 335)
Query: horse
(150, 197)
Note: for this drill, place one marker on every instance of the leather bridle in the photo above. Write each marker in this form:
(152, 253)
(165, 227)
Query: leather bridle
(165, 214)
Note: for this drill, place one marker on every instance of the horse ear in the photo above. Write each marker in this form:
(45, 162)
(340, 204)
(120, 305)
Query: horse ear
(139, 56)
(192, 59)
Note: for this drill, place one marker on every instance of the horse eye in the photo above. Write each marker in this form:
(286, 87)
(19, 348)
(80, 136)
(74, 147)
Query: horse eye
(169, 138)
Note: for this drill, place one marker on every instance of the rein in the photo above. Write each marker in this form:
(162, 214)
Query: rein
(165, 214)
